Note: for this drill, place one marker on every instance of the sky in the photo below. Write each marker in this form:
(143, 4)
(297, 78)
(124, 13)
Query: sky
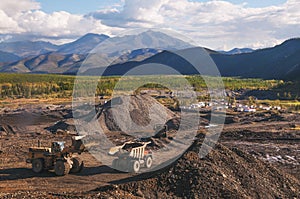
(216, 24)
(85, 6)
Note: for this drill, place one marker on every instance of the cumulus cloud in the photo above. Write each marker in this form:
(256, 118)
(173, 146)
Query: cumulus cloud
(27, 19)
(15, 7)
(59, 24)
(7, 24)
(215, 24)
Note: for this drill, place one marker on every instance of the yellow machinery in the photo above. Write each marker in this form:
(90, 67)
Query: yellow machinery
(63, 159)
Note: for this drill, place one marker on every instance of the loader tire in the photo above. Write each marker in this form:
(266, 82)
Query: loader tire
(37, 165)
(61, 168)
(77, 165)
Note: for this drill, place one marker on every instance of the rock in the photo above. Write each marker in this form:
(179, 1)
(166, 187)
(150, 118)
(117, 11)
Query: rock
(139, 193)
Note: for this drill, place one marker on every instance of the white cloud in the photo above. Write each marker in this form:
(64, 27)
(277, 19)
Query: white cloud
(7, 24)
(59, 24)
(15, 7)
(214, 24)
(25, 17)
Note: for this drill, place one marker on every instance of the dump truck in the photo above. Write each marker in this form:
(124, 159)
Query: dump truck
(60, 158)
(130, 156)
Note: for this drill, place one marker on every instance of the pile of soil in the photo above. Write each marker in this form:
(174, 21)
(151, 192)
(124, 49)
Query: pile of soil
(62, 127)
(224, 173)
(135, 112)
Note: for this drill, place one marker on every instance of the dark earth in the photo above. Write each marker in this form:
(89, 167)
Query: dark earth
(257, 156)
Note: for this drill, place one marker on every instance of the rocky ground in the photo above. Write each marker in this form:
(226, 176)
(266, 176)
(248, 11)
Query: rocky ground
(257, 157)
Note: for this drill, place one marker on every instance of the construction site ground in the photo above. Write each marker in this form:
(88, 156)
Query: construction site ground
(271, 138)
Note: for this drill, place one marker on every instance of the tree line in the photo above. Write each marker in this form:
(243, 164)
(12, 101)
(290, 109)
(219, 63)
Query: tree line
(61, 86)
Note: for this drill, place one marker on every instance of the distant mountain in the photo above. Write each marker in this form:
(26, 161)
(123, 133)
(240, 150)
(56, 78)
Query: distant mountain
(167, 58)
(237, 51)
(46, 63)
(6, 57)
(280, 62)
(119, 46)
(83, 45)
(28, 48)
(137, 55)
(145, 44)
(66, 64)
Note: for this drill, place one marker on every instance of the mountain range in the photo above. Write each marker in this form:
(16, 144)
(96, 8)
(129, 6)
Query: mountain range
(237, 51)
(278, 62)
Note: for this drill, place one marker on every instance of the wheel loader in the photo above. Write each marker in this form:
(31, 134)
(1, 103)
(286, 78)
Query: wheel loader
(60, 158)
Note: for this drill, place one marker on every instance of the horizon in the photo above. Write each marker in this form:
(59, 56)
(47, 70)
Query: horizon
(218, 25)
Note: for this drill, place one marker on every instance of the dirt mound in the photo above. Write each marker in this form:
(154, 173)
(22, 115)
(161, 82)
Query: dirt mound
(62, 127)
(224, 173)
(133, 113)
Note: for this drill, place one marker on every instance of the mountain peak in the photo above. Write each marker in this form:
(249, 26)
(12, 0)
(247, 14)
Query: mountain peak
(235, 51)
(93, 36)
(84, 44)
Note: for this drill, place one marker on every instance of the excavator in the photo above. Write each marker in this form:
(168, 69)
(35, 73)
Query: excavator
(60, 158)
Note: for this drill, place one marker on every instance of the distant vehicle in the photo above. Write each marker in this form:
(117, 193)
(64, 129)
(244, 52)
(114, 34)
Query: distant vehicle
(211, 126)
(248, 109)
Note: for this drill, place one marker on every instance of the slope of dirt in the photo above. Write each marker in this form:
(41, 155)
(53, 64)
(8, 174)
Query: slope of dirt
(133, 113)
(63, 126)
(224, 173)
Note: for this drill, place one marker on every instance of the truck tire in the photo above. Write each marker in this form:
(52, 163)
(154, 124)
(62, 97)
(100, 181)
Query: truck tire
(148, 161)
(61, 168)
(37, 165)
(77, 165)
(134, 166)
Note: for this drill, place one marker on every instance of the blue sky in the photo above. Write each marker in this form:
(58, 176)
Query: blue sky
(86, 6)
(76, 6)
(216, 24)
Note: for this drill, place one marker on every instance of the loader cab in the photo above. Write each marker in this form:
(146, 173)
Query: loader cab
(57, 147)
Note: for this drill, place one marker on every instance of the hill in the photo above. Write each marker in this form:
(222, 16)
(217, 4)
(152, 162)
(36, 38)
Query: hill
(8, 57)
(28, 48)
(45, 63)
(279, 62)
